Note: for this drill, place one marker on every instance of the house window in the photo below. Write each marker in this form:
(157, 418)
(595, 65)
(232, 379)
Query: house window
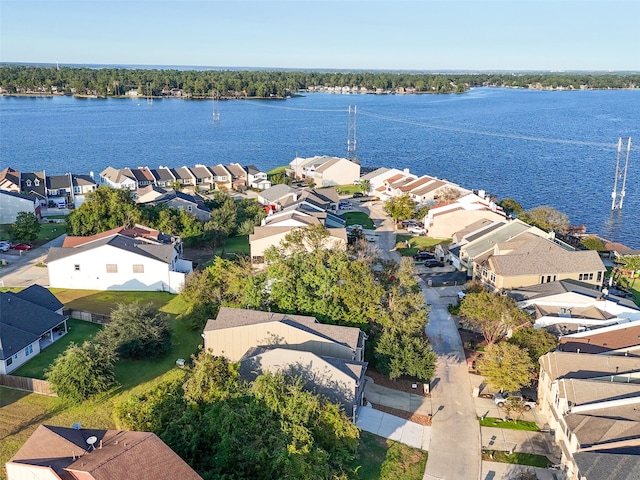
(76, 267)
(138, 268)
(36, 182)
(484, 272)
(599, 276)
(189, 208)
(591, 276)
(28, 183)
(9, 361)
(112, 268)
(29, 350)
(492, 276)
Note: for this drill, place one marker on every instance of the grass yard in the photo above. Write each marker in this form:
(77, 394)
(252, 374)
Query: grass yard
(509, 424)
(277, 170)
(347, 189)
(358, 218)
(416, 244)
(238, 245)
(384, 459)
(516, 458)
(79, 331)
(104, 301)
(48, 231)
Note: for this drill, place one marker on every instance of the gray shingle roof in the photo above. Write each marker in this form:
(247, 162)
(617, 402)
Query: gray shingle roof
(585, 366)
(238, 317)
(40, 296)
(276, 192)
(607, 465)
(22, 323)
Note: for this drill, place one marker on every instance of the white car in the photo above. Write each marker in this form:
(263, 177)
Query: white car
(415, 229)
(4, 246)
(500, 398)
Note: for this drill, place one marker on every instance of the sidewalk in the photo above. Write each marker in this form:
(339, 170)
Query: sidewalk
(394, 428)
(506, 471)
(505, 439)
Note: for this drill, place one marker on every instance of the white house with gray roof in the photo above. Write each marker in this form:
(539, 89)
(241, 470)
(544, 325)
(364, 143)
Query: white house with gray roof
(30, 320)
(118, 262)
(325, 171)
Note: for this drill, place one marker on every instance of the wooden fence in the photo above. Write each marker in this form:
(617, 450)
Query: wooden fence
(29, 384)
(88, 316)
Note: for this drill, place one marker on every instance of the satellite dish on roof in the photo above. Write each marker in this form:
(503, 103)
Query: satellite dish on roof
(91, 441)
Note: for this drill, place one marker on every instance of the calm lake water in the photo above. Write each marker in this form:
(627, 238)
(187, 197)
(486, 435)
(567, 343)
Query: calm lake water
(540, 148)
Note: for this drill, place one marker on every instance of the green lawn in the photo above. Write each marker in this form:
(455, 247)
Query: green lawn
(382, 459)
(277, 170)
(509, 424)
(518, 458)
(104, 301)
(416, 243)
(79, 331)
(48, 231)
(347, 189)
(358, 218)
(238, 245)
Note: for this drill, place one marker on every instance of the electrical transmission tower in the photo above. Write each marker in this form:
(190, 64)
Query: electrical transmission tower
(216, 107)
(351, 135)
(620, 173)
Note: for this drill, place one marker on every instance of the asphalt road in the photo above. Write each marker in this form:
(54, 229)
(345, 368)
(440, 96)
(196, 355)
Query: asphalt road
(22, 270)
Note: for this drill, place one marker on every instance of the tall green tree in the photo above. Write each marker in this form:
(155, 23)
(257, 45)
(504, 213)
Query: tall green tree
(506, 368)
(546, 218)
(492, 315)
(510, 206)
(25, 228)
(136, 331)
(82, 371)
(104, 208)
(400, 208)
(365, 185)
(536, 341)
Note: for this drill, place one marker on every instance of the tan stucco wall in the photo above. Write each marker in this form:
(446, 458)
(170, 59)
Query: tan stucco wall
(527, 280)
(445, 225)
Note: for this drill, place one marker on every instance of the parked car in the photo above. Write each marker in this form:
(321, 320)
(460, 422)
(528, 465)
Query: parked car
(21, 246)
(500, 398)
(358, 194)
(4, 246)
(411, 223)
(415, 229)
(433, 263)
(344, 205)
(424, 256)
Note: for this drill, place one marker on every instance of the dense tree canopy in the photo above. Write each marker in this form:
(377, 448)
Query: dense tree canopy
(104, 208)
(506, 368)
(546, 218)
(536, 341)
(400, 208)
(491, 314)
(136, 331)
(82, 371)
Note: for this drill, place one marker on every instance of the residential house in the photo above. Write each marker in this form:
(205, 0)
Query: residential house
(278, 196)
(235, 330)
(590, 403)
(34, 183)
(204, 178)
(450, 252)
(341, 381)
(222, 178)
(474, 252)
(174, 199)
(378, 177)
(391, 185)
(326, 171)
(238, 176)
(143, 176)
(59, 453)
(60, 189)
(264, 237)
(82, 184)
(530, 260)
(617, 339)
(11, 204)
(30, 320)
(326, 198)
(163, 176)
(257, 178)
(118, 178)
(184, 177)
(137, 259)
(10, 180)
(443, 221)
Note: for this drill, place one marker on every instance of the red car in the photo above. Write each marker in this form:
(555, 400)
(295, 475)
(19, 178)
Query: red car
(21, 246)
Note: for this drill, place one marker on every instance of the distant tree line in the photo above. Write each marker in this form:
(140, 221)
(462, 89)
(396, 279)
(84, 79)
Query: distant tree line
(106, 82)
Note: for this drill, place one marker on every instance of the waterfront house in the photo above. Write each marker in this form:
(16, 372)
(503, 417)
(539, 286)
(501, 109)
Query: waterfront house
(204, 178)
(238, 176)
(82, 184)
(34, 183)
(163, 176)
(590, 403)
(222, 178)
(235, 330)
(12, 203)
(257, 178)
(60, 453)
(10, 180)
(30, 320)
(60, 189)
(184, 177)
(529, 259)
(133, 259)
(118, 178)
(444, 220)
(143, 176)
(325, 171)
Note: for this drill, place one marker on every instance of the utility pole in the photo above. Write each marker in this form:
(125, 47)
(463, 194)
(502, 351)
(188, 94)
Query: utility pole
(614, 194)
(351, 132)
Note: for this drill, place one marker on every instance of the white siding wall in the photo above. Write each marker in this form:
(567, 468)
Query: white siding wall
(17, 471)
(20, 357)
(93, 275)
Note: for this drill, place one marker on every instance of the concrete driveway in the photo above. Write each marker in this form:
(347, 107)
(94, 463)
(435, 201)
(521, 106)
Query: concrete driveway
(394, 428)
(388, 397)
(22, 271)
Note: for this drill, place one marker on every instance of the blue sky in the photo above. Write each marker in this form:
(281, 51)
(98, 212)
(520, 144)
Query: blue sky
(347, 34)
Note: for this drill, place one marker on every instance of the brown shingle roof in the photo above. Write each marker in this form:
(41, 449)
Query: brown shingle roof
(120, 455)
(581, 365)
(604, 339)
